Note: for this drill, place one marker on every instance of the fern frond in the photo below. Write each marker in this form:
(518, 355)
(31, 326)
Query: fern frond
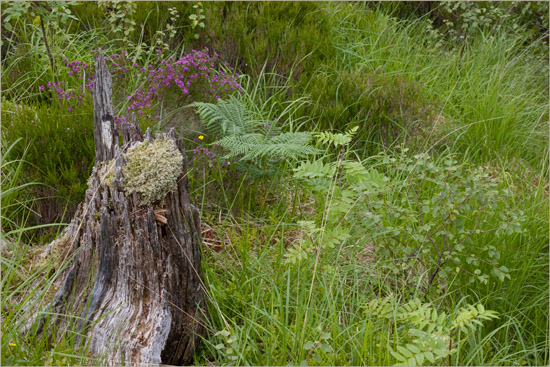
(226, 117)
(429, 331)
(245, 135)
(468, 318)
(314, 169)
(326, 137)
(243, 145)
(288, 146)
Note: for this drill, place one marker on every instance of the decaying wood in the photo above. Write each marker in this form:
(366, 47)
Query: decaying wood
(106, 146)
(135, 281)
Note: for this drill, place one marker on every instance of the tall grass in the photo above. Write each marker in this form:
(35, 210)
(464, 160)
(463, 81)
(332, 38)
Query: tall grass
(14, 203)
(267, 312)
(521, 336)
(26, 289)
(27, 282)
(491, 91)
(262, 313)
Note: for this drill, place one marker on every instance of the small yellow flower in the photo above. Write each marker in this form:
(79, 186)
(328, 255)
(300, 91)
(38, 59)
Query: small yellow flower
(201, 137)
(13, 344)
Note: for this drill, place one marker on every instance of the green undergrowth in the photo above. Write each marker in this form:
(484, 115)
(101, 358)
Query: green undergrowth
(265, 310)
(299, 288)
(29, 278)
(288, 38)
(59, 149)
(486, 94)
(376, 194)
(486, 98)
(28, 284)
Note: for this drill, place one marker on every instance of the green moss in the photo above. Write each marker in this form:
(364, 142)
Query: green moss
(152, 169)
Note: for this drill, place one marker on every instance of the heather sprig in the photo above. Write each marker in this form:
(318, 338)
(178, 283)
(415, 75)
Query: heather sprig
(194, 74)
(72, 97)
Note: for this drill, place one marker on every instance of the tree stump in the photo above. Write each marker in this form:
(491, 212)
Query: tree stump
(135, 280)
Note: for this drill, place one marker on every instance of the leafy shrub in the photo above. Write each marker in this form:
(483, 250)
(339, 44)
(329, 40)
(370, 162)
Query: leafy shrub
(455, 21)
(461, 19)
(164, 25)
(428, 219)
(131, 24)
(435, 218)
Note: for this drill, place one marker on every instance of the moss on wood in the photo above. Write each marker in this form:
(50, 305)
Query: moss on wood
(152, 169)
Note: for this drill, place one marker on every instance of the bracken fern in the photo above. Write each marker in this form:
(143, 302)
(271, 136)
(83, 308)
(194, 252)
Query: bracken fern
(248, 137)
(430, 335)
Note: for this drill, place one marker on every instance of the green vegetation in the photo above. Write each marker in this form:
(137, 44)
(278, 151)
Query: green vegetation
(372, 177)
(58, 147)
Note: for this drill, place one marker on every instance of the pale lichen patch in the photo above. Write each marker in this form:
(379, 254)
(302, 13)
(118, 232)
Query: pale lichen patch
(152, 169)
(106, 172)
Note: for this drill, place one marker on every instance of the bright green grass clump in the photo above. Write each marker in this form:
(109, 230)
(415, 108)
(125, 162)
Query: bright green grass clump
(487, 97)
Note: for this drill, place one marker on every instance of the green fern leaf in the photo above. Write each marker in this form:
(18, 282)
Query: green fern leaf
(420, 358)
(314, 169)
(244, 135)
(229, 117)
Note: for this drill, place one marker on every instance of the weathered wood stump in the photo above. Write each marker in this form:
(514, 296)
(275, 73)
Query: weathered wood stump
(135, 279)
